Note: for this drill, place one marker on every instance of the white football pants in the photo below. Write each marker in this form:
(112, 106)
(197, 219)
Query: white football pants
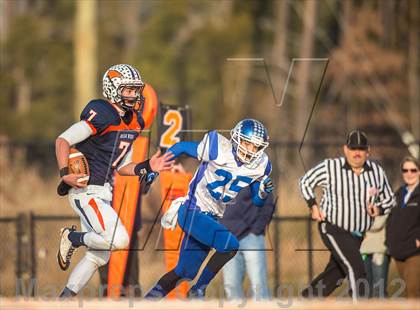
(105, 231)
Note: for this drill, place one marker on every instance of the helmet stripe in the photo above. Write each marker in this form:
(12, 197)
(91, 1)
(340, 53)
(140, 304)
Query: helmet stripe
(132, 73)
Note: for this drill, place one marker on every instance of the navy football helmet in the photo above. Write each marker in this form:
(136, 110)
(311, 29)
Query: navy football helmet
(249, 139)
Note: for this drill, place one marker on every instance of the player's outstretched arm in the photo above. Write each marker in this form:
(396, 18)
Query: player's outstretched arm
(184, 147)
(156, 163)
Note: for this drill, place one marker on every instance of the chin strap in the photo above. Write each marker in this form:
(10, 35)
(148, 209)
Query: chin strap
(138, 103)
(119, 108)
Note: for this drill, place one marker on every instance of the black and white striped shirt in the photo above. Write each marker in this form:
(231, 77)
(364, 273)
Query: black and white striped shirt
(346, 195)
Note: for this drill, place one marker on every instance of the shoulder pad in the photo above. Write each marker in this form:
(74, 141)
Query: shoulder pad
(99, 114)
(140, 120)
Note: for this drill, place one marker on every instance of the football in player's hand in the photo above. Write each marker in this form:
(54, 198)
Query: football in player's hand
(78, 165)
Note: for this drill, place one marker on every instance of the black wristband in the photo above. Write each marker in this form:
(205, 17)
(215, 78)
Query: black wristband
(142, 168)
(311, 202)
(64, 171)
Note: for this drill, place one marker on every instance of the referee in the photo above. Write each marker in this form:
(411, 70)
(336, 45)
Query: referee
(355, 190)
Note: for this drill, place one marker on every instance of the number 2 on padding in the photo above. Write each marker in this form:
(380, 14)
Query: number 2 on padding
(173, 119)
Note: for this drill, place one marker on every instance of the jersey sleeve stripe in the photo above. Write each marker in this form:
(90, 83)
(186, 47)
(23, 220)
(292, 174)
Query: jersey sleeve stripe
(267, 168)
(121, 126)
(94, 130)
(192, 200)
(213, 145)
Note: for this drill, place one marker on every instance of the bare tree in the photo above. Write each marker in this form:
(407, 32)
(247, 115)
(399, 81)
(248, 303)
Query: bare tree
(413, 68)
(278, 115)
(131, 28)
(304, 67)
(8, 10)
(346, 13)
(373, 74)
(23, 90)
(387, 11)
(85, 47)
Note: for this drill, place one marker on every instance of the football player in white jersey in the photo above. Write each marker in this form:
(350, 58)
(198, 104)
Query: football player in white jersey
(226, 167)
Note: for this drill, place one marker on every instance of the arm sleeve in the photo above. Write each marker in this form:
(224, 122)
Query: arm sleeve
(386, 196)
(310, 180)
(77, 133)
(207, 149)
(188, 148)
(264, 216)
(268, 168)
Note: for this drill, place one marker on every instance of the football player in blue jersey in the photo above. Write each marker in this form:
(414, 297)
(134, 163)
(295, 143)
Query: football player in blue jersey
(104, 134)
(226, 167)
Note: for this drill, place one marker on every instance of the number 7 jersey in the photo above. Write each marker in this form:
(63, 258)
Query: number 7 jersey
(111, 139)
(220, 176)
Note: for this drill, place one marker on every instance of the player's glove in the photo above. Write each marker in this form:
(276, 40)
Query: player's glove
(147, 181)
(151, 177)
(266, 187)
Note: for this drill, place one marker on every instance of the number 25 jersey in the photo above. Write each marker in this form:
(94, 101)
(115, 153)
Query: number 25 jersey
(220, 176)
(112, 137)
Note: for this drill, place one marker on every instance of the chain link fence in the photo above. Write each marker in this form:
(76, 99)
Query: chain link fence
(11, 253)
(28, 261)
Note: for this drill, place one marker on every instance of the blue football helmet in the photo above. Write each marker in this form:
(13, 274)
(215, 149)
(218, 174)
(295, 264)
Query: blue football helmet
(246, 132)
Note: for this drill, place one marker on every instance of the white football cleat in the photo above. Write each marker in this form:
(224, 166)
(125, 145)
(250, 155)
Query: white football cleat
(66, 249)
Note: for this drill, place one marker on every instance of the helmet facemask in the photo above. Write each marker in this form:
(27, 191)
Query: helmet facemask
(244, 154)
(130, 102)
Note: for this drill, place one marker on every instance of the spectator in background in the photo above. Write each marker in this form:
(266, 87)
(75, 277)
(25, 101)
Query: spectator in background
(248, 223)
(375, 258)
(403, 228)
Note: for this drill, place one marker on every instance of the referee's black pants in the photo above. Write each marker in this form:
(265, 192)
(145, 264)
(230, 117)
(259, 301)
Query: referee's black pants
(345, 260)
